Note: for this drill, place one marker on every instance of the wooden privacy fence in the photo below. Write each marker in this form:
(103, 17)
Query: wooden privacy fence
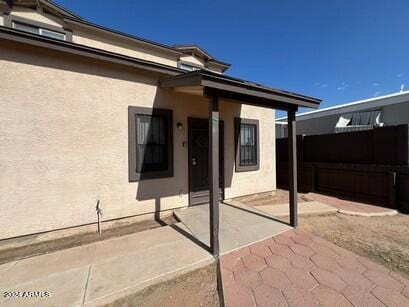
(370, 165)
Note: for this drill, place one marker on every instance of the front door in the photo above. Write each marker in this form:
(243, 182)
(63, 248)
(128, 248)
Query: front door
(199, 161)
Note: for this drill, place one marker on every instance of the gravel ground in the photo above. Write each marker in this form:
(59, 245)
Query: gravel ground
(277, 197)
(197, 288)
(383, 239)
(26, 249)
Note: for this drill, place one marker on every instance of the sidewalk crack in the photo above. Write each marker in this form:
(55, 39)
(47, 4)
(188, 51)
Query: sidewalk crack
(86, 285)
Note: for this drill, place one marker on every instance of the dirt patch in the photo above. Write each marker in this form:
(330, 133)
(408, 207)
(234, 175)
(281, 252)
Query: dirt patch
(270, 198)
(382, 239)
(26, 249)
(197, 288)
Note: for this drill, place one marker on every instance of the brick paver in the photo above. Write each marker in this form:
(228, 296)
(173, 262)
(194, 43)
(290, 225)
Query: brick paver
(297, 268)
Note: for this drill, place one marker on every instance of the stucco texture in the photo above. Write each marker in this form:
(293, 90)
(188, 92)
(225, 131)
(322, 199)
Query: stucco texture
(107, 42)
(98, 39)
(36, 16)
(64, 136)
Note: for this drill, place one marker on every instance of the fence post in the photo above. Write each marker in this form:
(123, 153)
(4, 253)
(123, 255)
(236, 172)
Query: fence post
(392, 190)
(314, 178)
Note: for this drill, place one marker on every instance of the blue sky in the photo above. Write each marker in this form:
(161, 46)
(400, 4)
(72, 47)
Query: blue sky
(337, 50)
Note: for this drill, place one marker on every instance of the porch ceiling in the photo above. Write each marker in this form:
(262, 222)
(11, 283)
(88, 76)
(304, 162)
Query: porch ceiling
(204, 82)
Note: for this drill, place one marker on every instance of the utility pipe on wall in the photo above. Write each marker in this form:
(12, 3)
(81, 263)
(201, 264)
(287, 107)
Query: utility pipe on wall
(99, 216)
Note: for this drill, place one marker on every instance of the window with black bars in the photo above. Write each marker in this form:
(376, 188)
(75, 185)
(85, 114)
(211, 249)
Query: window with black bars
(152, 143)
(248, 145)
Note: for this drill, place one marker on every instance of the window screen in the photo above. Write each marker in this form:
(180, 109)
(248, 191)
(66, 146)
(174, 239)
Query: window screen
(150, 150)
(26, 27)
(151, 143)
(38, 30)
(188, 67)
(52, 34)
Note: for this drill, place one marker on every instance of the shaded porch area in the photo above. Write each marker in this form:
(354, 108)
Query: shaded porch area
(240, 225)
(217, 87)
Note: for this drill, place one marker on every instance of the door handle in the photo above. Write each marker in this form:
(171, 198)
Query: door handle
(193, 161)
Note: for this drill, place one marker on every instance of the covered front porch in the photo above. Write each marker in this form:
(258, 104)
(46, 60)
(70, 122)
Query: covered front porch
(216, 88)
(240, 225)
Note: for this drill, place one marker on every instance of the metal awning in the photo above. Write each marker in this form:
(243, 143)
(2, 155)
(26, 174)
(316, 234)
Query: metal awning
(204, 82)
(215, 86)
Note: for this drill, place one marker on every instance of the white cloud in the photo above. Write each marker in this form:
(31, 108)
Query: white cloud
(376, 84)
(400, 75)
(342, 87)
(377, 93)
(320, 85)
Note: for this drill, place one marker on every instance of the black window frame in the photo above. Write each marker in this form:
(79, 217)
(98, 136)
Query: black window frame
(237, 125)
(134, 174)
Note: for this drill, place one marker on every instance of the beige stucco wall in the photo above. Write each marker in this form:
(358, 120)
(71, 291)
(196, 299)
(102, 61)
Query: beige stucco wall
(245, 183)
(98, 39)
(192, 59)
(36, 16)
(64, 136)
(107, 42)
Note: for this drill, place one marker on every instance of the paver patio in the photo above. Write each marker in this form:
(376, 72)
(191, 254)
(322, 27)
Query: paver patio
(296, 268)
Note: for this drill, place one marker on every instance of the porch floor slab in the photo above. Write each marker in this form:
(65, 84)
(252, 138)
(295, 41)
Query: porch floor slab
(100, 273)
(305, 208)
(240, 225)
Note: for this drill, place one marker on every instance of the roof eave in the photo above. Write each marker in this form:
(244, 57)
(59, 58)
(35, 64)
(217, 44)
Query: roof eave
(145, 42)
(224, 66)
(206, 56)
(190, 48)
(90, 52)
(225, 84)
(60, 9)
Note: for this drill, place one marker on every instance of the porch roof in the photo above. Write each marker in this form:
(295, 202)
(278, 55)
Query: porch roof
(204, 82)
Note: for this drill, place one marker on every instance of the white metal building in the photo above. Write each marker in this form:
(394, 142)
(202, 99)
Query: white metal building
(392, 109)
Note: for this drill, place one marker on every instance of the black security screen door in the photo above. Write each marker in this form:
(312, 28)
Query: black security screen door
(199, 161)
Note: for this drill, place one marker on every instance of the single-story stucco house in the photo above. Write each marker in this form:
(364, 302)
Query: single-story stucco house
(91, 116)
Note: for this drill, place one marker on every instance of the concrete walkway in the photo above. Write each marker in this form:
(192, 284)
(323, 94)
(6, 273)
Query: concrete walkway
(240, 225)
(349, 207)
(297, 268)
(102, 272)
(305, 208)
